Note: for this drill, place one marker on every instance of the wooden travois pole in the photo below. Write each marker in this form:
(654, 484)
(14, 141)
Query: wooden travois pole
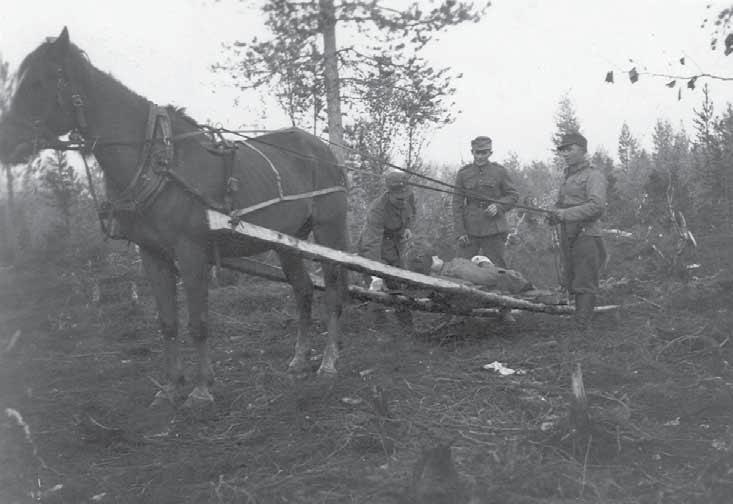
(221, 227)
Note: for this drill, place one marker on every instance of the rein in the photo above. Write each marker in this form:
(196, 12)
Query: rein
(153, 168)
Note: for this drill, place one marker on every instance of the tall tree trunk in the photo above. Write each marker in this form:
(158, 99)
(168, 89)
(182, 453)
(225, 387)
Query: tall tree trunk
(331, 76)
(11, 236)
(728, 192)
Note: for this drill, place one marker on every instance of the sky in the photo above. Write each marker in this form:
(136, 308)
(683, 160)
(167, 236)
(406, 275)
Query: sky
(517, 63)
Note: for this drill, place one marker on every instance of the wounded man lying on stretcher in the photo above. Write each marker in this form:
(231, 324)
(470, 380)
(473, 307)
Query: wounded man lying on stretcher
(479, 270)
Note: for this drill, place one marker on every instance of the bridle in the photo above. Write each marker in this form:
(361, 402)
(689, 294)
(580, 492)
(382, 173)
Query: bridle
(76, 100)
(68, 100)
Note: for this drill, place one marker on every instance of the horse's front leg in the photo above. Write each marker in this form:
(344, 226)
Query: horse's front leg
(303, 290)
(193, 265)
(162, 274)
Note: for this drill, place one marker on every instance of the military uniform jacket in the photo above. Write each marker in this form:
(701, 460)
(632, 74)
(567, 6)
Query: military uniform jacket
(384, 227)
(491, 181)
(583, 196)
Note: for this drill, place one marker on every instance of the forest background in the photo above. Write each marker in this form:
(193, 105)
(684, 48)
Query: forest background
(378, 111)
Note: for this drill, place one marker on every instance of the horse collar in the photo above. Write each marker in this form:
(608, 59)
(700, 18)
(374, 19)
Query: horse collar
(153, 164)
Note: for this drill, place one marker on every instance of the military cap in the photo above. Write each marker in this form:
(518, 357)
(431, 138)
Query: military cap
(573, 139)
(396, 180)
(481, 143)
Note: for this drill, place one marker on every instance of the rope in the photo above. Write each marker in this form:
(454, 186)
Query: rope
(450, 188)
(453, 189)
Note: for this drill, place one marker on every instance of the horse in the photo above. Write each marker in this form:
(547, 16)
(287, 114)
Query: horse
(162, 173)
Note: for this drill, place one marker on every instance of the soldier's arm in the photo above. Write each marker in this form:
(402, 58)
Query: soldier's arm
(370, 241)
(595, 205)
(458, 204)
(413, 215)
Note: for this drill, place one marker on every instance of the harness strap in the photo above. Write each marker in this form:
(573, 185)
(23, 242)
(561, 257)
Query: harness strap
(278, 180)
(237, 214)
(102, 224)
(81, 118)
(149, 180)
(153, 171)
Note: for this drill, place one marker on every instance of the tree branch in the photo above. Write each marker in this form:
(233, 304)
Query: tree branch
(689, 77)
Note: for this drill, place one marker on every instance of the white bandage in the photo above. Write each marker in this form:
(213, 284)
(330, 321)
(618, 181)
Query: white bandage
(479, 259)
(377, 284)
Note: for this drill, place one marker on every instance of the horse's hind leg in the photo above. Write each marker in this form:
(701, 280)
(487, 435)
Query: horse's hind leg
(333, 234)
(299, 279)
(193, 265)
(162, 275)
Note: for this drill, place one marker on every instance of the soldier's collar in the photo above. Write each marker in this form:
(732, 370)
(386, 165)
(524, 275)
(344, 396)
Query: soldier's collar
(578, 167)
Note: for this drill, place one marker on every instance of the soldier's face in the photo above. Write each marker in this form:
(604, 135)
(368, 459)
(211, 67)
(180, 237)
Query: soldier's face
(481, 156)
(572, 154)
(398, 198)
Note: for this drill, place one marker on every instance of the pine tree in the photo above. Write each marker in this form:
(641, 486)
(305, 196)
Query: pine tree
(302, 61)
(61, 187)
(628, 147)
(725, 132)
(626, 194)
(566, 121)
(707, 183)
(666, 189)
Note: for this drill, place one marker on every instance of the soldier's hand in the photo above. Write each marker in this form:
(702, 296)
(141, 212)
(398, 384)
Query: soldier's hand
(554, 217)
(463, 241)
(492, 210)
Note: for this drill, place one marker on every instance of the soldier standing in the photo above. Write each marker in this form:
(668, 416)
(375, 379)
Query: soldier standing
(484, 193)
(580, 205)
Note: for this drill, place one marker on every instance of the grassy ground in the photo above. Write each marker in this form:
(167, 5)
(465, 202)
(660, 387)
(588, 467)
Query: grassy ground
(76, 382)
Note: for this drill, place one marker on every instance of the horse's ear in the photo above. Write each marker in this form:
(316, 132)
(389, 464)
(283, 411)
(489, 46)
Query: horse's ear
(60, 46)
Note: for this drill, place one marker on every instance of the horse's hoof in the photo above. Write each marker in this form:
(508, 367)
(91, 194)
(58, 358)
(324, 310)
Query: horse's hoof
(298, 369)
(327, 373)
(199, 398)
(162, 399)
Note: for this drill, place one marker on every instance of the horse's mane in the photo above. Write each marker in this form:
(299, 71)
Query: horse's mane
(181, 113)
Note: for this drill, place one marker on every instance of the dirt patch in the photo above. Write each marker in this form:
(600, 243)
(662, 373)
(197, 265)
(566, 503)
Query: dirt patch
(76, 383)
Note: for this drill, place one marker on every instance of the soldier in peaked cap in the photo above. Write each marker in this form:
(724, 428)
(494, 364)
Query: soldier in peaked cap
(571, 139)
(580, 205)
(387, 230)
(484, 192)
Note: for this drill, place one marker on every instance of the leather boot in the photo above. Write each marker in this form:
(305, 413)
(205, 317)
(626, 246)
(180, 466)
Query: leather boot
(584, 305)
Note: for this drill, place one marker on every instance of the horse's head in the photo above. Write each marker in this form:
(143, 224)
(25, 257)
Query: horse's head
(44, 100)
